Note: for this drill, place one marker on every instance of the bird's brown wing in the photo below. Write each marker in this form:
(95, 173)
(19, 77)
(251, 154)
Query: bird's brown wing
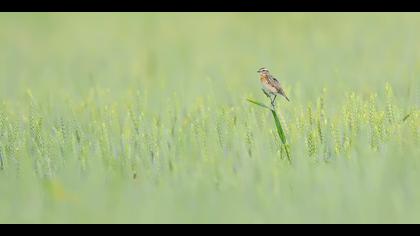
(280, 90)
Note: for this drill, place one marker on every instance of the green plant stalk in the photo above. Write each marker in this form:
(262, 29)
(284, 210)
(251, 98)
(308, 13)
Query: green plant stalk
(1, 161)
(406, 117)
(278, 126)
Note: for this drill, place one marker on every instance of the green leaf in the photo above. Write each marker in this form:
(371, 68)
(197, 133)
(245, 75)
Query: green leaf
(280, 131)
(258, 103)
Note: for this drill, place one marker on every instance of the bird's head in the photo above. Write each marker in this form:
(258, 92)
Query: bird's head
(263, 71)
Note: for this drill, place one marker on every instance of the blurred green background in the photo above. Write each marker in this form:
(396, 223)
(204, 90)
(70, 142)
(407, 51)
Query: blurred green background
(198, 52)
(90, 100)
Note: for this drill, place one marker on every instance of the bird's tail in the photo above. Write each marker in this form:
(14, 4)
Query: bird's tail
(286, 98)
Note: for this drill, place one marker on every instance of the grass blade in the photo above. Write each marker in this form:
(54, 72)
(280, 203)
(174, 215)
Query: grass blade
(280, 131)
(258, 103)
(406, 117)
(281, 134)
(1, 162)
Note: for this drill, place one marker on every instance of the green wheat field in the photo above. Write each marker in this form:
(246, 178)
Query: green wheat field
(144, 118)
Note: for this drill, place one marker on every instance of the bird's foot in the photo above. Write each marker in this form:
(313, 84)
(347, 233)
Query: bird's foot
(273, 104)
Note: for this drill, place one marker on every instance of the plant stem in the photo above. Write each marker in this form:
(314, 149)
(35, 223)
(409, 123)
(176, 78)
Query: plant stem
(1, 161)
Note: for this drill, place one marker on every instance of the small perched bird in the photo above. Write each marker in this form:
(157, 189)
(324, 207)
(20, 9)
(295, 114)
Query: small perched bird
(270, 85)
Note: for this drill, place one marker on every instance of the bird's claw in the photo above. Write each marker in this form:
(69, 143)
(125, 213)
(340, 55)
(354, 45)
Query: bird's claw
(272, 103)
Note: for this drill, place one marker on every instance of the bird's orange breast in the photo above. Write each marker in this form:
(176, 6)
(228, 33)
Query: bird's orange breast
(263, 79)
(267, 84)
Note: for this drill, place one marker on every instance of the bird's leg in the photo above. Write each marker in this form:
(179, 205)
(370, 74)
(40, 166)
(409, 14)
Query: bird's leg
(274, 99)
(266, 94)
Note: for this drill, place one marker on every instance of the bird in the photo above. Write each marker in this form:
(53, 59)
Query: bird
(270, 85)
